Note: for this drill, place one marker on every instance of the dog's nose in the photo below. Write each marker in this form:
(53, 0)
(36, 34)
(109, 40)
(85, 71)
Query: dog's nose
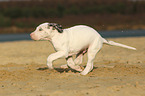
(31, 34)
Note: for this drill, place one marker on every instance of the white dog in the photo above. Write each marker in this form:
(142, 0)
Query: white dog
(76, 40)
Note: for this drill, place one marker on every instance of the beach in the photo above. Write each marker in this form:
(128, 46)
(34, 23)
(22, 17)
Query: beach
(117, 71)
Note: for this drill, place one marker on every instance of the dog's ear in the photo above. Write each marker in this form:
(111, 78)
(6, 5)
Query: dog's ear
(56, 26)
(59, 28)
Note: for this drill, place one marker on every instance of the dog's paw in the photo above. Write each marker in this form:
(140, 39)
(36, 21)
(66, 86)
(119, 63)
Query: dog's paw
(84, 73)
(51, 68)
(79, 69)
(64, 66)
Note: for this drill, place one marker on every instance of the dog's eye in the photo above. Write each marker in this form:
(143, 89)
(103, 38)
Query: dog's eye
(40, 29)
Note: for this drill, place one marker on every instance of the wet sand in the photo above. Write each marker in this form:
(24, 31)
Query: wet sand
(117, 71)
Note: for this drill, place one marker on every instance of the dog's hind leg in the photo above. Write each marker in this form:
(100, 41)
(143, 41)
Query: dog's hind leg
(78, 60)
(72, 65)
(92, 51)
(79, 57)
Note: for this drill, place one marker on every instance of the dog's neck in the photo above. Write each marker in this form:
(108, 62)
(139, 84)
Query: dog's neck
(48, 39)
(57, 35)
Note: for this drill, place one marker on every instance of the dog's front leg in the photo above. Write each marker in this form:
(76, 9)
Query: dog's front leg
(55, 56)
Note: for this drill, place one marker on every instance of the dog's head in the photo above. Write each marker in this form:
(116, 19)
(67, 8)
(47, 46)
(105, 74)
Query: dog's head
(46, 31)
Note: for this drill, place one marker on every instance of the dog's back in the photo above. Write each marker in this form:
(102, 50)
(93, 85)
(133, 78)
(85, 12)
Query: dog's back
(81, 37)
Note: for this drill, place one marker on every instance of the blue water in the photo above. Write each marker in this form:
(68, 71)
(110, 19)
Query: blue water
(105, 34)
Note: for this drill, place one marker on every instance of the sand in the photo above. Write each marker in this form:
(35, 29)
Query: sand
(117, 71)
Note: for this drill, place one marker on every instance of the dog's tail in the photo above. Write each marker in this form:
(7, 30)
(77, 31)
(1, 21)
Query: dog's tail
(117, 44)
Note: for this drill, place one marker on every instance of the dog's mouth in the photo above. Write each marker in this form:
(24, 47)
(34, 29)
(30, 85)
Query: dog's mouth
(45, 39)
(37, 38)
(33, 38)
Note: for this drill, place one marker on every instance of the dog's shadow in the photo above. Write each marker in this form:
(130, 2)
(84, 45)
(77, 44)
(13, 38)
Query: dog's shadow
(61, 70)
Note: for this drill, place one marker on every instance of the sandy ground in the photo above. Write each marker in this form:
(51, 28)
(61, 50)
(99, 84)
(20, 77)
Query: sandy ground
(117, 71)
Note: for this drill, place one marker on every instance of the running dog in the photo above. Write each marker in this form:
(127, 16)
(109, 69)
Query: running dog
(76, 40)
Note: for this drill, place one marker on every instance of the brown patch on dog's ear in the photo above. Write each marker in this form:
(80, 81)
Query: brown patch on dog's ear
(57, 27)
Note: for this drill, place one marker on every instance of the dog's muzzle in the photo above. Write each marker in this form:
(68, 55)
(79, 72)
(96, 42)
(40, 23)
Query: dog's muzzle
(33, 36)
